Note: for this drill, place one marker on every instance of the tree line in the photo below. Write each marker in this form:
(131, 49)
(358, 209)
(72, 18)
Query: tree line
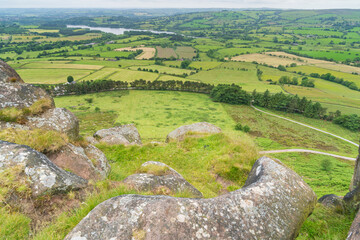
(84, 87)
(234, 94)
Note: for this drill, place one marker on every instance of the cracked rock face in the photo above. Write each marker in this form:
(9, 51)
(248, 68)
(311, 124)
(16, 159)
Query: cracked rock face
(88, 163)
(273, 204)
(171, 181)
(44, 176)
(355, 182)
(20, 95)
(8, 74)
(57, 119)
(201, 127)
(124, 135)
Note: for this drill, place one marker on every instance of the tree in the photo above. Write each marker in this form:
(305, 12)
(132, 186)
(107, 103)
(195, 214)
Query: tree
(70, 79)
(185, 64)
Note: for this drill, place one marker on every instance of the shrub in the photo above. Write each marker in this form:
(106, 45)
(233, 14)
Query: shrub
(246, 128)
(70, 79)
(89, 100)
(97, 109)
(238, 127)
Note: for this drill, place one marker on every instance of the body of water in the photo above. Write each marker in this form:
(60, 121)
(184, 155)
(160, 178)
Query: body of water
(117, 31)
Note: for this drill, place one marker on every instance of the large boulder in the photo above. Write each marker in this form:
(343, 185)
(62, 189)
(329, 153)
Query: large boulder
(89, 162)
(354, 233)
(158, 177)
(44, 176)
(8, 74)
(20, 95)
(355, 182)
(57, 119)
(332, 201)
(273, 204)
(201, 127)
(125, 135)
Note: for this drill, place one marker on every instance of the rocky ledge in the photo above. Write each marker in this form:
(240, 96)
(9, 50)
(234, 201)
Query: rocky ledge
(273, 204)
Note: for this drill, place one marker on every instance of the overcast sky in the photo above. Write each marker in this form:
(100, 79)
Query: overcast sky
(302, 4)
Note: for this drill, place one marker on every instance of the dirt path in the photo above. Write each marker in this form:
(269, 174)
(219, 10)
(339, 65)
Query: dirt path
(302, 124)
(307, 151)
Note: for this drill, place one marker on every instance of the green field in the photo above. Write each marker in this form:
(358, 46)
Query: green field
(246, 79)
(313, 69)
(155, 113)
(51, 76)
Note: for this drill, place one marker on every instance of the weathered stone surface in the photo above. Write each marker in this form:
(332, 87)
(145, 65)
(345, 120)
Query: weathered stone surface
(91, 140)
(273, 204)
(125, 134)
(20, 95)
(354, 233)
(201, 127)
(44, 176)
(355, 182)
(171, 181)
(88, 163)
(57, 119)
(8, 74)
(5, 125)
(331, 200)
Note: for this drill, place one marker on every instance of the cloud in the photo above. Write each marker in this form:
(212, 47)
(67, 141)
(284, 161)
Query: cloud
(300, 4)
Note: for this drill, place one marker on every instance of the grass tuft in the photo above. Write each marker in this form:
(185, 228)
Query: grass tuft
(38, 139)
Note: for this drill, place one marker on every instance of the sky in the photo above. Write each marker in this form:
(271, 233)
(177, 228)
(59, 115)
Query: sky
(298, 4)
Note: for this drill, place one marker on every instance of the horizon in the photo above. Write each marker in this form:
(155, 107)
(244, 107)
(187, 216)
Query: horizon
(186, 4)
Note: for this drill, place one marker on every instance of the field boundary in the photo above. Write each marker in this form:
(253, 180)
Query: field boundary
(305, 125)
(307, 151)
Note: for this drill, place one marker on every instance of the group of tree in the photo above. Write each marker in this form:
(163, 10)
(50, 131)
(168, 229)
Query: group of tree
(234, 94)
(332, 78)
(91, 86)
(305, 82)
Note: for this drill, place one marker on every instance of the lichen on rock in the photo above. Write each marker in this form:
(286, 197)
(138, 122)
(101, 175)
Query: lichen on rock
(44, 176)
(273, 204)
(165, 178)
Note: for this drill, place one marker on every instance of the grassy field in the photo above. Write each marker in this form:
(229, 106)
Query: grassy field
(130, 75)
(314, 69)
(273, 133)
(51, 76)
(164, 69)
(155, 113)
(165, 52)
(246, 79)
(185, 52)
(264, 58)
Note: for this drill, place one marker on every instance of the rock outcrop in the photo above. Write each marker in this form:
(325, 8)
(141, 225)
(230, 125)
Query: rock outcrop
(57, 119)
(8, 74)
(125, 135)
(44, 176)
(168, 181)
(354, 233)
(20, 95)
(331, 200)
(89, 162)
(201, 127)
(355, 182)
(273, 204)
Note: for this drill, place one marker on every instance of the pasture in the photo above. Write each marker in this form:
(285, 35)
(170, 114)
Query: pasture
(51, 76)
(155, 113)
(185, 52)
(165, 52)
(267, 59)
